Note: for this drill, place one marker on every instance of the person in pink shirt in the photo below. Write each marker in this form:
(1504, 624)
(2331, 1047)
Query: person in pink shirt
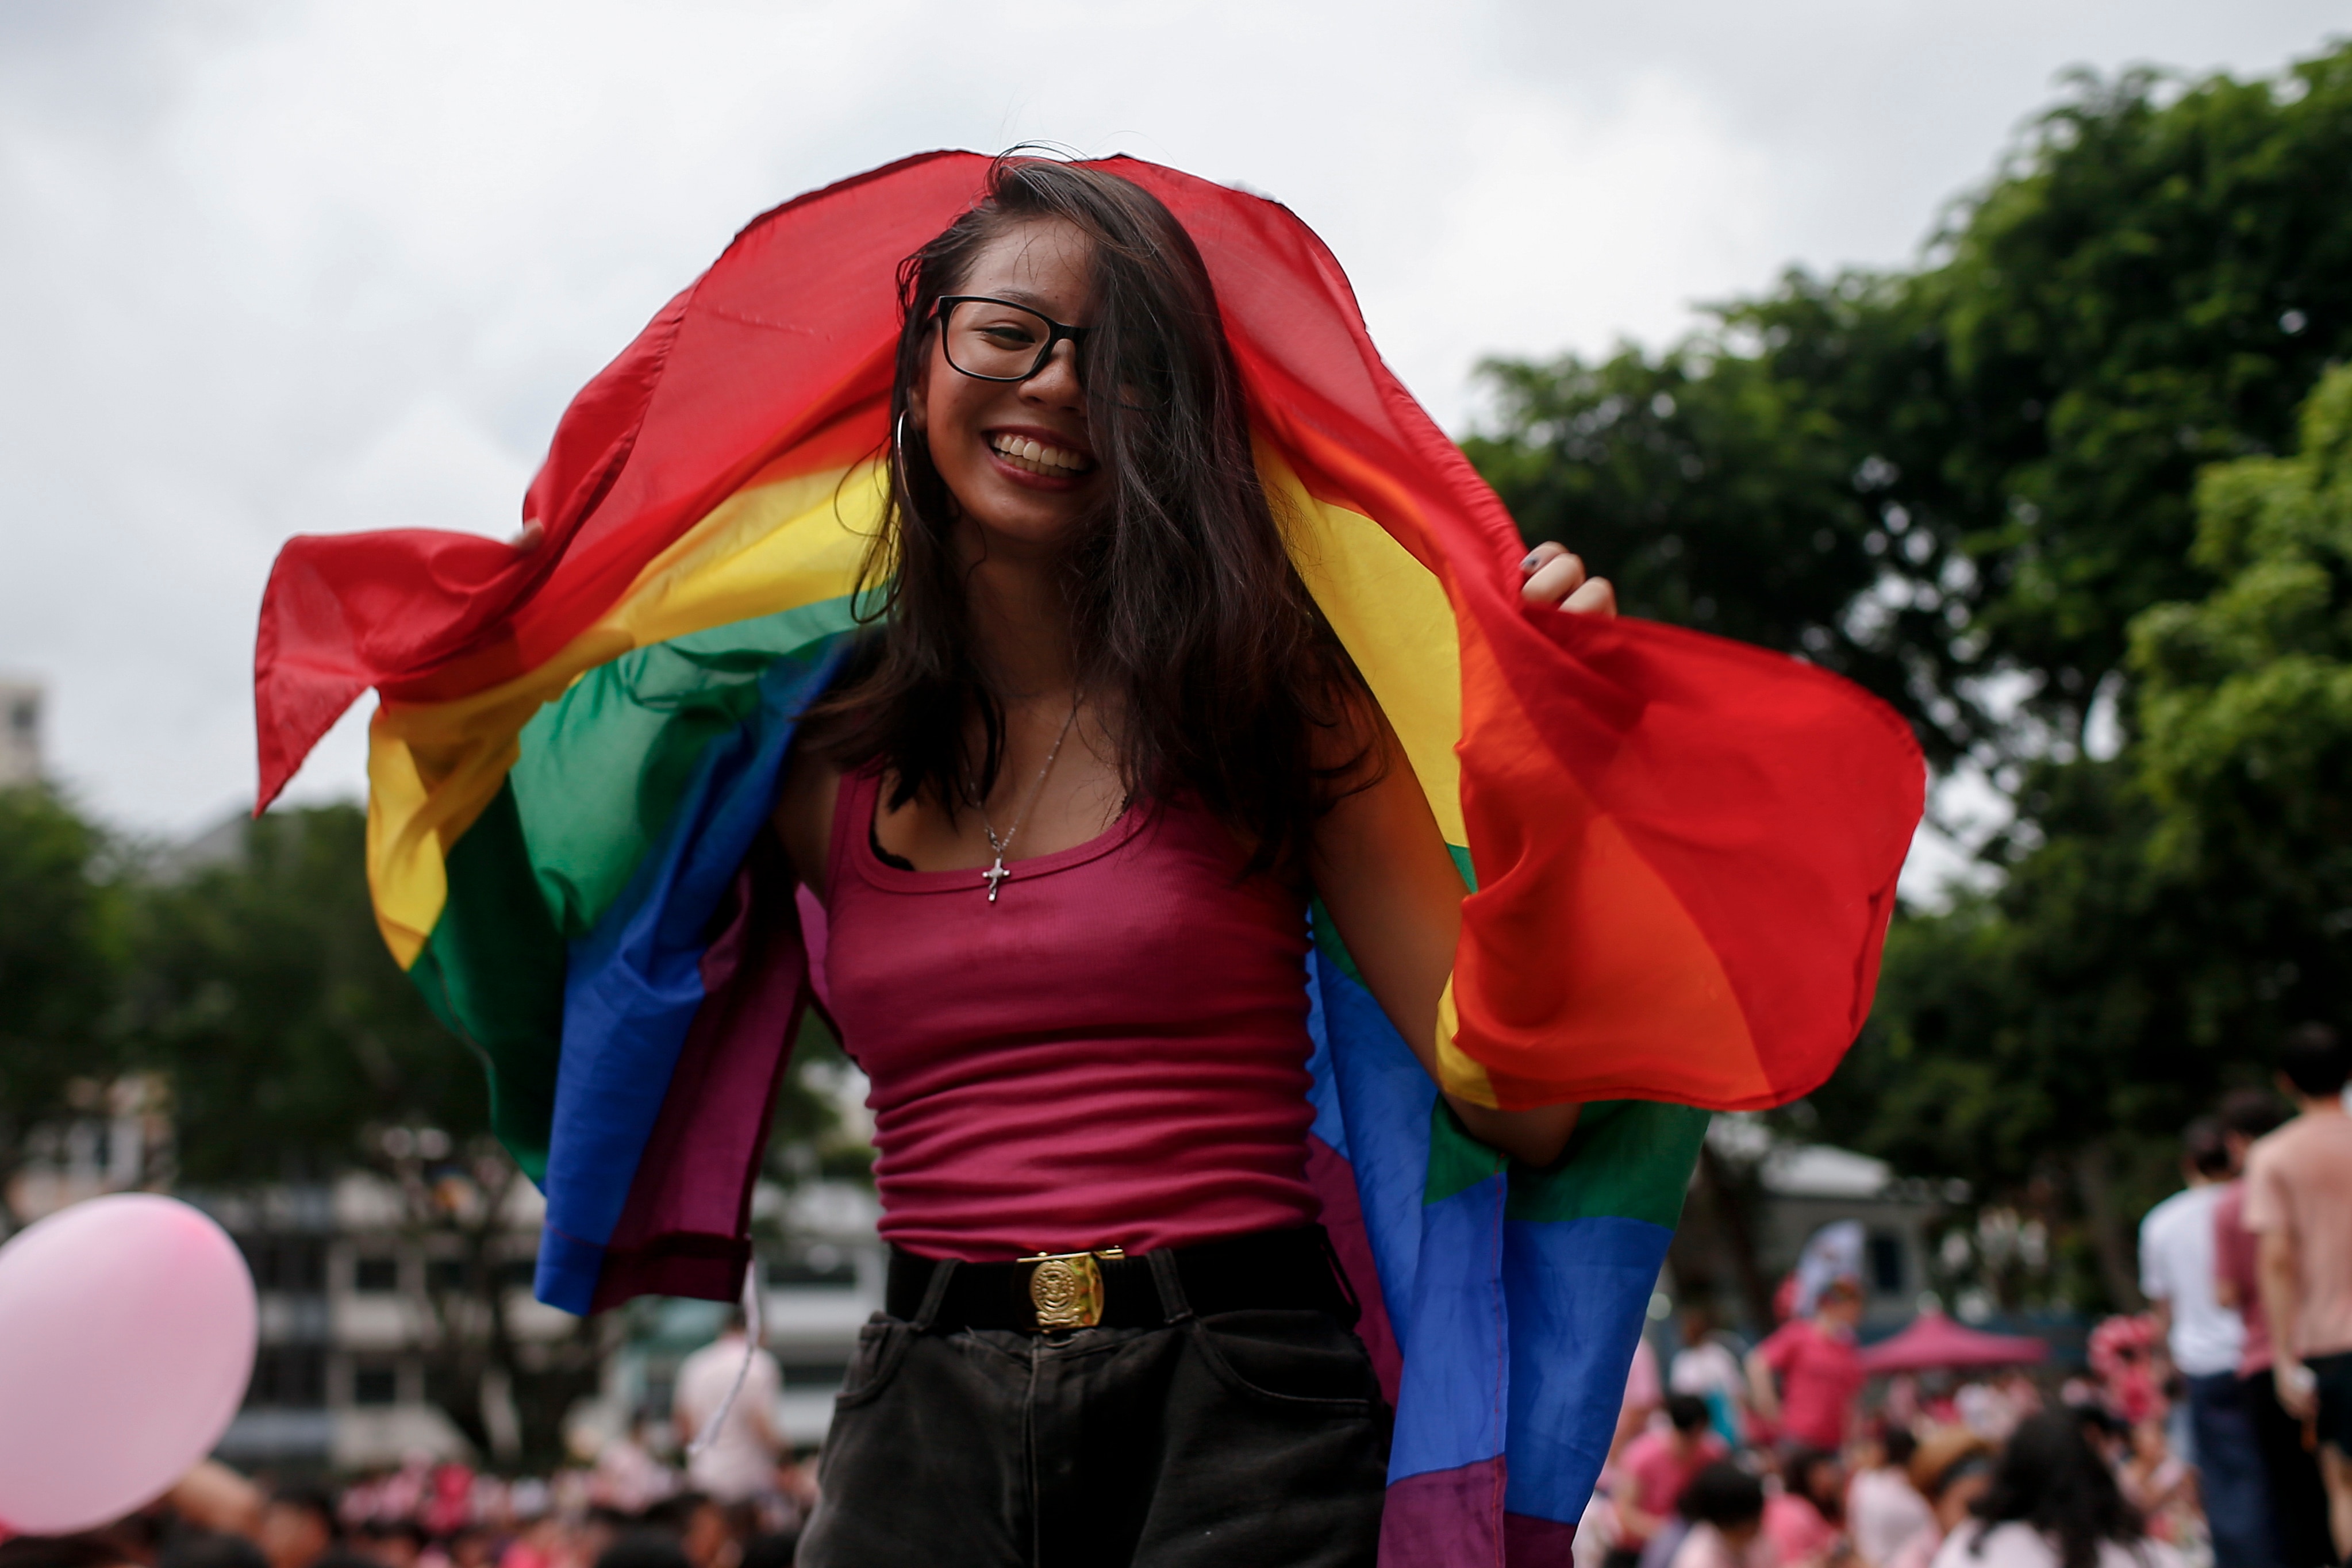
(2298, 1180)
(1818, 1371)
(1654, 1470)
(1806, 1521)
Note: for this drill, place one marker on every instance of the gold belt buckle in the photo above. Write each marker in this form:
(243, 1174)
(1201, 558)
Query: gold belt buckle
(1066, 1288)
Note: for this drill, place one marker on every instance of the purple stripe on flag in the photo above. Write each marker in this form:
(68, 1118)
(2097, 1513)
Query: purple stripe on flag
(1532, 1543)
(1445, 1518)
(681, 1229)
(1334, 1181)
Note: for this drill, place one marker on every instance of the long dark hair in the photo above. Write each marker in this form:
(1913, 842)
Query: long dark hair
(2051, 1478)
(1184, 602)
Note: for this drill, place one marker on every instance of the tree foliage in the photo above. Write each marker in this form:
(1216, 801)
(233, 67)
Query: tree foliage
(2172, 909)
(1973, 487)
(263, 991)
(59, 954)
(1929, 478)
(2245, 705)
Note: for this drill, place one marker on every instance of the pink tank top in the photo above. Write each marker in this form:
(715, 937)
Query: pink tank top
(1112, 1054)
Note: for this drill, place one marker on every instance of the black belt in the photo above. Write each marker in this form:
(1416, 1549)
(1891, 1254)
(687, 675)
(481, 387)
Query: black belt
(1277, 1269)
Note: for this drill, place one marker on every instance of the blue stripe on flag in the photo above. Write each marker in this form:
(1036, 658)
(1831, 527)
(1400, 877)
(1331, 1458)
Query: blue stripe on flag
(634, 982)
(1577, 1290)
(1450, 1404)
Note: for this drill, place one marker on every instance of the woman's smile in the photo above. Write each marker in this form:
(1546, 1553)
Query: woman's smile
(1030, 455)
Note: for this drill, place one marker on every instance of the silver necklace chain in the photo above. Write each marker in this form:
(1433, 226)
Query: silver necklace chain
(994, 876)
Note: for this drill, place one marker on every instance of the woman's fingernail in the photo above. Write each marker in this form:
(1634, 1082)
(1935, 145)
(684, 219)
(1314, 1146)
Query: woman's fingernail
(1529, 564)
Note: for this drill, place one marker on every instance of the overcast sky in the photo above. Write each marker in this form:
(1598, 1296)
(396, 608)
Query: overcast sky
(272, 267)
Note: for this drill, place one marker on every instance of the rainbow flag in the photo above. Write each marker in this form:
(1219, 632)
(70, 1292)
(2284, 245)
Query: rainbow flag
(1682, 851)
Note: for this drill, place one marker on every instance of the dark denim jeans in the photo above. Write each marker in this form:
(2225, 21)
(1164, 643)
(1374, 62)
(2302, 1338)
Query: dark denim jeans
(2298, 1500)
(1243, 1440)
(2229, 1473)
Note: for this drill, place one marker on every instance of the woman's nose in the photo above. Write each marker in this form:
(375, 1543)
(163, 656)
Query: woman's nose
(1057, 379)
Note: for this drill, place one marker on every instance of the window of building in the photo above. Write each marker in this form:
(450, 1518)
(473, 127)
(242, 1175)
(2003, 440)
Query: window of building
(815, 1377)
(288, 1265)
(288, 1376)
(375, 1274)
(1885, 1252)
(375, 1382)
(446, 1274)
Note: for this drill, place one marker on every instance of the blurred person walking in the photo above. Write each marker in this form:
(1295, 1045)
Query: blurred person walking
(2053, 1503)
(739, 1461)
(1819, 1371)
(2299, 1203)
(2296, 1498)
(2176, 1274)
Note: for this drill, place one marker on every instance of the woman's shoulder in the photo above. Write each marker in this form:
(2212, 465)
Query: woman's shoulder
(805, 809)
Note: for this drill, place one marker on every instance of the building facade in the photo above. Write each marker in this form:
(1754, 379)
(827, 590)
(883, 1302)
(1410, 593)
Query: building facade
(21, 715)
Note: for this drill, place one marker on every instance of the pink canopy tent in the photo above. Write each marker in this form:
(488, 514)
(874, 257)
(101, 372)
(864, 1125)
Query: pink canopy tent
(1935, 1341)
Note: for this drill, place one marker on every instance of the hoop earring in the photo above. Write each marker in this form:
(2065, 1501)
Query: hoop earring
(898, 441)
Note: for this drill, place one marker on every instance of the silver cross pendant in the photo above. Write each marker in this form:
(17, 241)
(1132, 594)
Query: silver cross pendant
(993, 877)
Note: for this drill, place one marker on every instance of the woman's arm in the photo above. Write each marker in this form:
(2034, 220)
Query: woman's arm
(1383, 871)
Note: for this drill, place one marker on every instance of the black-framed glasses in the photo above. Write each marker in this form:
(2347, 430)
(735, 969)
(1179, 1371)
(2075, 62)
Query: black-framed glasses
(996, 340)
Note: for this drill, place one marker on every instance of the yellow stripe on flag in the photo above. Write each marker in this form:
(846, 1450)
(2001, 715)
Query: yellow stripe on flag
(1393, 618)
(433, 768)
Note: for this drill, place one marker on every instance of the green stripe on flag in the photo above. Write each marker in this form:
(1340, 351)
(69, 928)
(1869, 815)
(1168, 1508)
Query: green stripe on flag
(1456, 1159)
(1629, 1158)
(492, 971)
(602, 766)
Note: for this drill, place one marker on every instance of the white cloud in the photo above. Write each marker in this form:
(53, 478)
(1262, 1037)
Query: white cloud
(274, 266)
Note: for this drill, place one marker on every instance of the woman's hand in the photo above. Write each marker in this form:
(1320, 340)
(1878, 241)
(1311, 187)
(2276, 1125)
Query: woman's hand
(1554, 577)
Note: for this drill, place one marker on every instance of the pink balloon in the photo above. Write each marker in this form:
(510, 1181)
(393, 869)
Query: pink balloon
(126, 1338)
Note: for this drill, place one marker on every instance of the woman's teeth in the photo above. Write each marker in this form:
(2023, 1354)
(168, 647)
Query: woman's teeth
(1038, 457)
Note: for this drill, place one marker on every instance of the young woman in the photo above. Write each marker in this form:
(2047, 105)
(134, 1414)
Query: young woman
(1064, 813)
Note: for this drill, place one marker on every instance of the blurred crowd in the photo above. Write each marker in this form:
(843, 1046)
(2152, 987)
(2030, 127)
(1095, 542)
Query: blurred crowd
(428, 1514)
(2209, 1432)
(735, 1499)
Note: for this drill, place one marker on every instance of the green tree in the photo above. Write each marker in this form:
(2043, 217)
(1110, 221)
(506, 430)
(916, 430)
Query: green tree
(263, 987)
(59, 949)
(297, 1051)
(2169, 911)
(1967, 485)
(1924, 478)
(2245, 705)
